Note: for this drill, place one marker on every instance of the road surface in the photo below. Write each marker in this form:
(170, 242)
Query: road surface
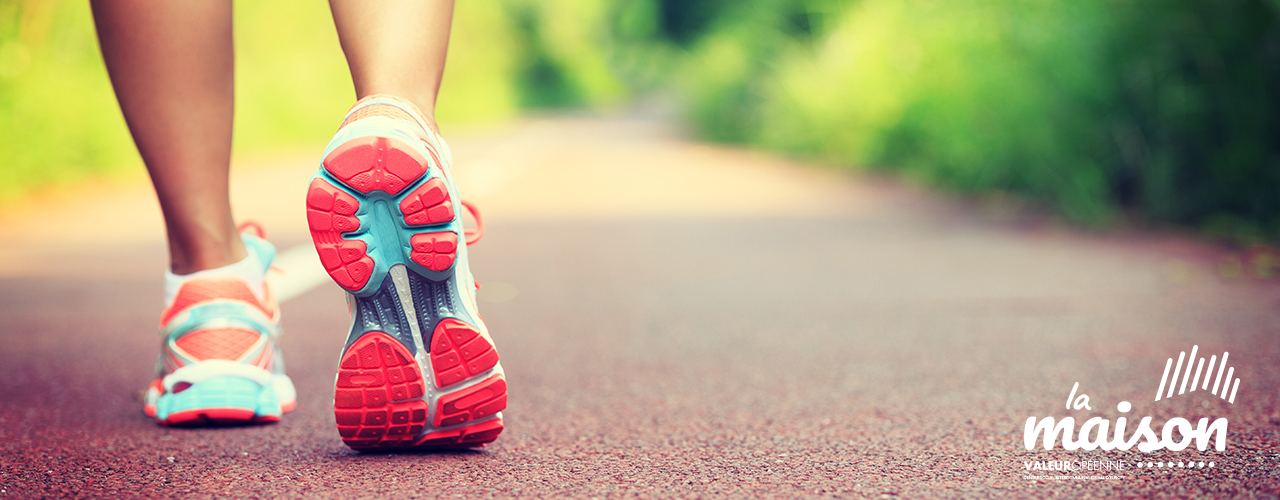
(675, 319)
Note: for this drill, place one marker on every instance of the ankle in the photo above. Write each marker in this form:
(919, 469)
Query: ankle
(251, 270)
(194, 257)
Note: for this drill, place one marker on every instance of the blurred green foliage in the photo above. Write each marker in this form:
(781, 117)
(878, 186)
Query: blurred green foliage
(1159, 110)
(58, 117)
(59, 120)
(1155, 110)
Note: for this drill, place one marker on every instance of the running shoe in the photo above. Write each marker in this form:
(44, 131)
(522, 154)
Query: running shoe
(419, 369)
(220, 360)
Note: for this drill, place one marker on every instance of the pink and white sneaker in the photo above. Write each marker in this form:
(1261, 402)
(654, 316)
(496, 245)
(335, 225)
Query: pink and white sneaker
(419, 369)
(220, 360)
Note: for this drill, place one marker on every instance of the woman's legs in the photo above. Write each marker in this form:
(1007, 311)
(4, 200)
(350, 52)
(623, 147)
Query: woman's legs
(396, 47)
(171, 63)
(406, 268)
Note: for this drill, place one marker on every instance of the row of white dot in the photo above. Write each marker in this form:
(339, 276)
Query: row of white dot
(1170, 465)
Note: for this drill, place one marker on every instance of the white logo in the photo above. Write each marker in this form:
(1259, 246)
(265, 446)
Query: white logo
(1183, 389)
(1094, 432)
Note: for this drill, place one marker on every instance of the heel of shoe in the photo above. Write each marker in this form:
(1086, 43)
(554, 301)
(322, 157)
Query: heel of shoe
(219, 401)
(374, 195)
(376, 163)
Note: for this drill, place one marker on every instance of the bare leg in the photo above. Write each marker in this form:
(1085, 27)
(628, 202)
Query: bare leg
(395, 47)
(171, 63)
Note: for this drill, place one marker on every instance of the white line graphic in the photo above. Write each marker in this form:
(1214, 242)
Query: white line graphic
(1196, 381)
(1190, 360)
(1230, 382)
(1209, 372)
(1220, 367)
(1164, 378)
(1174, 381)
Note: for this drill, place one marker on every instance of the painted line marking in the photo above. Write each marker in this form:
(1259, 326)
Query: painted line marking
(298, 272)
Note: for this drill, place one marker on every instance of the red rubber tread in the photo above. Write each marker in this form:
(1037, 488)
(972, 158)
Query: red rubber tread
(470, 436)
(428, 204)
(331, 212)
(377, 398)
(434, 251)
(373, 163)
(458, 352)
(208, 416)
(479, 401)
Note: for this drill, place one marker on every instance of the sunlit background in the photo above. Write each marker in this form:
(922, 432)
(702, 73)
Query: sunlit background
(1154, 112)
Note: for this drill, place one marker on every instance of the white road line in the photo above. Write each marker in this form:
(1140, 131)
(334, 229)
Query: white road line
(298, 271)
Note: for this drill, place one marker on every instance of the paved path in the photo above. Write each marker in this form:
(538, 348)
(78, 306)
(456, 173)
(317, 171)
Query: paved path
(675, 319)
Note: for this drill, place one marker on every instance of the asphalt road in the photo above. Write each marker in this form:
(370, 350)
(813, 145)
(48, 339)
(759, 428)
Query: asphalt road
(675, 319)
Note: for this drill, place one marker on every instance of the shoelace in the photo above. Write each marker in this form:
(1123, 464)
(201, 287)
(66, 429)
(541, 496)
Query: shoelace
(257, 228)
(473, 235)
(260, 232)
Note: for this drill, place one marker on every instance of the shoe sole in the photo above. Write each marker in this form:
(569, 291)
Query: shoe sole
(418, 369)
(222, 400)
